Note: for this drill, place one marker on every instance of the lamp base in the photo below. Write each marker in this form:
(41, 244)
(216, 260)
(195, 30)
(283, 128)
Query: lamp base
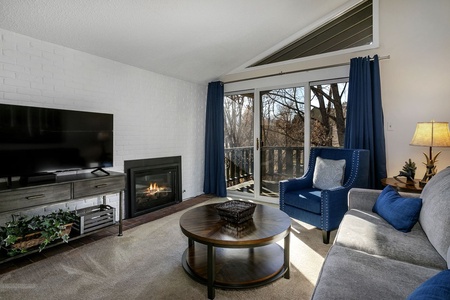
(431, 168)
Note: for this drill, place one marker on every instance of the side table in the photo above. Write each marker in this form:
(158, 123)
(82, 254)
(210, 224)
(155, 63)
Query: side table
(402, 185)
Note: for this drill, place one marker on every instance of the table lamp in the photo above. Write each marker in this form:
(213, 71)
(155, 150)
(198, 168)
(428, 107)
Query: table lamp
(431, 134)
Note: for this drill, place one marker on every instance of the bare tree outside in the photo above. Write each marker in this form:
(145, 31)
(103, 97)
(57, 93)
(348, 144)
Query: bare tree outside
(238, 115)
(328, 111)
(286, 107)
(283, 117)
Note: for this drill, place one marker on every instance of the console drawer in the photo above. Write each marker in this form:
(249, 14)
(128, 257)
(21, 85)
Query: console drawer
(97, 187)
(30, 197)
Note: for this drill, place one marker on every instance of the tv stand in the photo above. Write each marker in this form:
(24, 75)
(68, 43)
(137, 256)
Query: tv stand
(100, 170)
(38, 178)
(19, 197)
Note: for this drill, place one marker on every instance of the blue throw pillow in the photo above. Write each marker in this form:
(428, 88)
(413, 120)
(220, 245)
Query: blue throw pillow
(435, 288)
(400, 212)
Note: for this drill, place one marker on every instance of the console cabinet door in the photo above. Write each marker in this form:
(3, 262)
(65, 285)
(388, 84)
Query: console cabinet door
(31, 197)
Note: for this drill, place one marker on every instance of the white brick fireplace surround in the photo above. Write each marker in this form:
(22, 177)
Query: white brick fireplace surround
(154, 115)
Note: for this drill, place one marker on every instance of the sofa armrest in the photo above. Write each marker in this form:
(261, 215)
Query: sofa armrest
(364, 199)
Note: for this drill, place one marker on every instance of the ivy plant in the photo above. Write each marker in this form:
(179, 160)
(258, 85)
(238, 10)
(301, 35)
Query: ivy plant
(51, 227)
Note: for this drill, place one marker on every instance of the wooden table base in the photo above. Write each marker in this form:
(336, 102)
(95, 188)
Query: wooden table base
(236, 268)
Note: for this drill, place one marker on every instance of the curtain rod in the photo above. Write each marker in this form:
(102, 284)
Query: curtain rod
(298, 71)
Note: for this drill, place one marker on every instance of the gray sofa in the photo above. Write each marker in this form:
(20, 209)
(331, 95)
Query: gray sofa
(370, 259)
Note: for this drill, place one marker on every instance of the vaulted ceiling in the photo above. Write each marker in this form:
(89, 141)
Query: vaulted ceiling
(194, 40)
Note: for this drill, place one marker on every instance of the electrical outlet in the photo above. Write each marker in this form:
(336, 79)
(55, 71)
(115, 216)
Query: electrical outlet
(389, 126)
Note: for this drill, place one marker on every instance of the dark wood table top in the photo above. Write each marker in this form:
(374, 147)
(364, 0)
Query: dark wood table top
(203, 224)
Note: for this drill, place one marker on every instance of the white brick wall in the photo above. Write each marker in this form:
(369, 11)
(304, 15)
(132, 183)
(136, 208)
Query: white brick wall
(154, 115)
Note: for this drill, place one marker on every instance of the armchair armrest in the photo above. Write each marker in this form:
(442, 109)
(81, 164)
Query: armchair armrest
(293, 184)
(335, 205)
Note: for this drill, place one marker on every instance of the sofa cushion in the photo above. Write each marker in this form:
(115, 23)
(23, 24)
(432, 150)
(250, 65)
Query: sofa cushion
(328, 173)
(366, 231)
(297, 199)
(436, 288)
(400, 212)
(435, 213)
(349, 274)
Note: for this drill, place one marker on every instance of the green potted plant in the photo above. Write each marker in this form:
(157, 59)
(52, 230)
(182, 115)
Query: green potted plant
(23, 232)
(409, 170)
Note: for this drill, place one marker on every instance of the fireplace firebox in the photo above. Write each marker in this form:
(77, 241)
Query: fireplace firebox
(152, 184)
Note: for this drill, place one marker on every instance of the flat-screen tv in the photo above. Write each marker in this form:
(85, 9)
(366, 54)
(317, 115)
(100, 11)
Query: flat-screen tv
(35, 140)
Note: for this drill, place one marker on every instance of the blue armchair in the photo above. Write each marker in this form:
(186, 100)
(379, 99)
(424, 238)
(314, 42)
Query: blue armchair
(324, 208)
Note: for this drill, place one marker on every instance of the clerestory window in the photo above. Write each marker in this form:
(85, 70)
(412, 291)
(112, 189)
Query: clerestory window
(350, 29)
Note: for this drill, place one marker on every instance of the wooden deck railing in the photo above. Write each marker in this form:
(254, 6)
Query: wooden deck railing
(278, 163)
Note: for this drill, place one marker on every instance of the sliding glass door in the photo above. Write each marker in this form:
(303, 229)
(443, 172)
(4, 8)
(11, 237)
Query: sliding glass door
(239, 142)
(268, 133)
(282, 123)
(264, 140)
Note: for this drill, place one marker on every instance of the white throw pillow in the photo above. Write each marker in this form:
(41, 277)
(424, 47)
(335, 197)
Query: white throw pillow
(328, 173)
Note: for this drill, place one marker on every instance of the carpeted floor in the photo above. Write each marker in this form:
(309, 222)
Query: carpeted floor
(145, 263)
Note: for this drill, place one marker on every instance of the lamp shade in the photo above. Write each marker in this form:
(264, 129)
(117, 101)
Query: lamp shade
(431, 134)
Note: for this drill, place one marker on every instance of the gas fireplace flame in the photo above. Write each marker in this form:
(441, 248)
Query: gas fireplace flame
(152, 189)
(155, 190)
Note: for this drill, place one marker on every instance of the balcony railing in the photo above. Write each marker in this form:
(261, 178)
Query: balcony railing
(277, 163)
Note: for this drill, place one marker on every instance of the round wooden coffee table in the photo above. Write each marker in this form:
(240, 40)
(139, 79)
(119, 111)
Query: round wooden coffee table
(225, 255)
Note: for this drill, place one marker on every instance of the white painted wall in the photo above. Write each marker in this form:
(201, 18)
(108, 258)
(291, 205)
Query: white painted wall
(415, 80)
(154, 115)
(415, 34)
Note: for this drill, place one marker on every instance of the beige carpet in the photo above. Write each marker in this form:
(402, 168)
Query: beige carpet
(145, 263)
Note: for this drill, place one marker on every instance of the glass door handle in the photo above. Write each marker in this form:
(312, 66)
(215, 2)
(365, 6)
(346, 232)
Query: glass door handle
(257, 144)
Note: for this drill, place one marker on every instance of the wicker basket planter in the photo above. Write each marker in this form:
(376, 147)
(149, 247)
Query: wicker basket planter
(23, 232)
(35, 239)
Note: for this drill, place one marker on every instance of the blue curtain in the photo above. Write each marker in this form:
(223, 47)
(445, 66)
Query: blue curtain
(214, 182)
(365, 121)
